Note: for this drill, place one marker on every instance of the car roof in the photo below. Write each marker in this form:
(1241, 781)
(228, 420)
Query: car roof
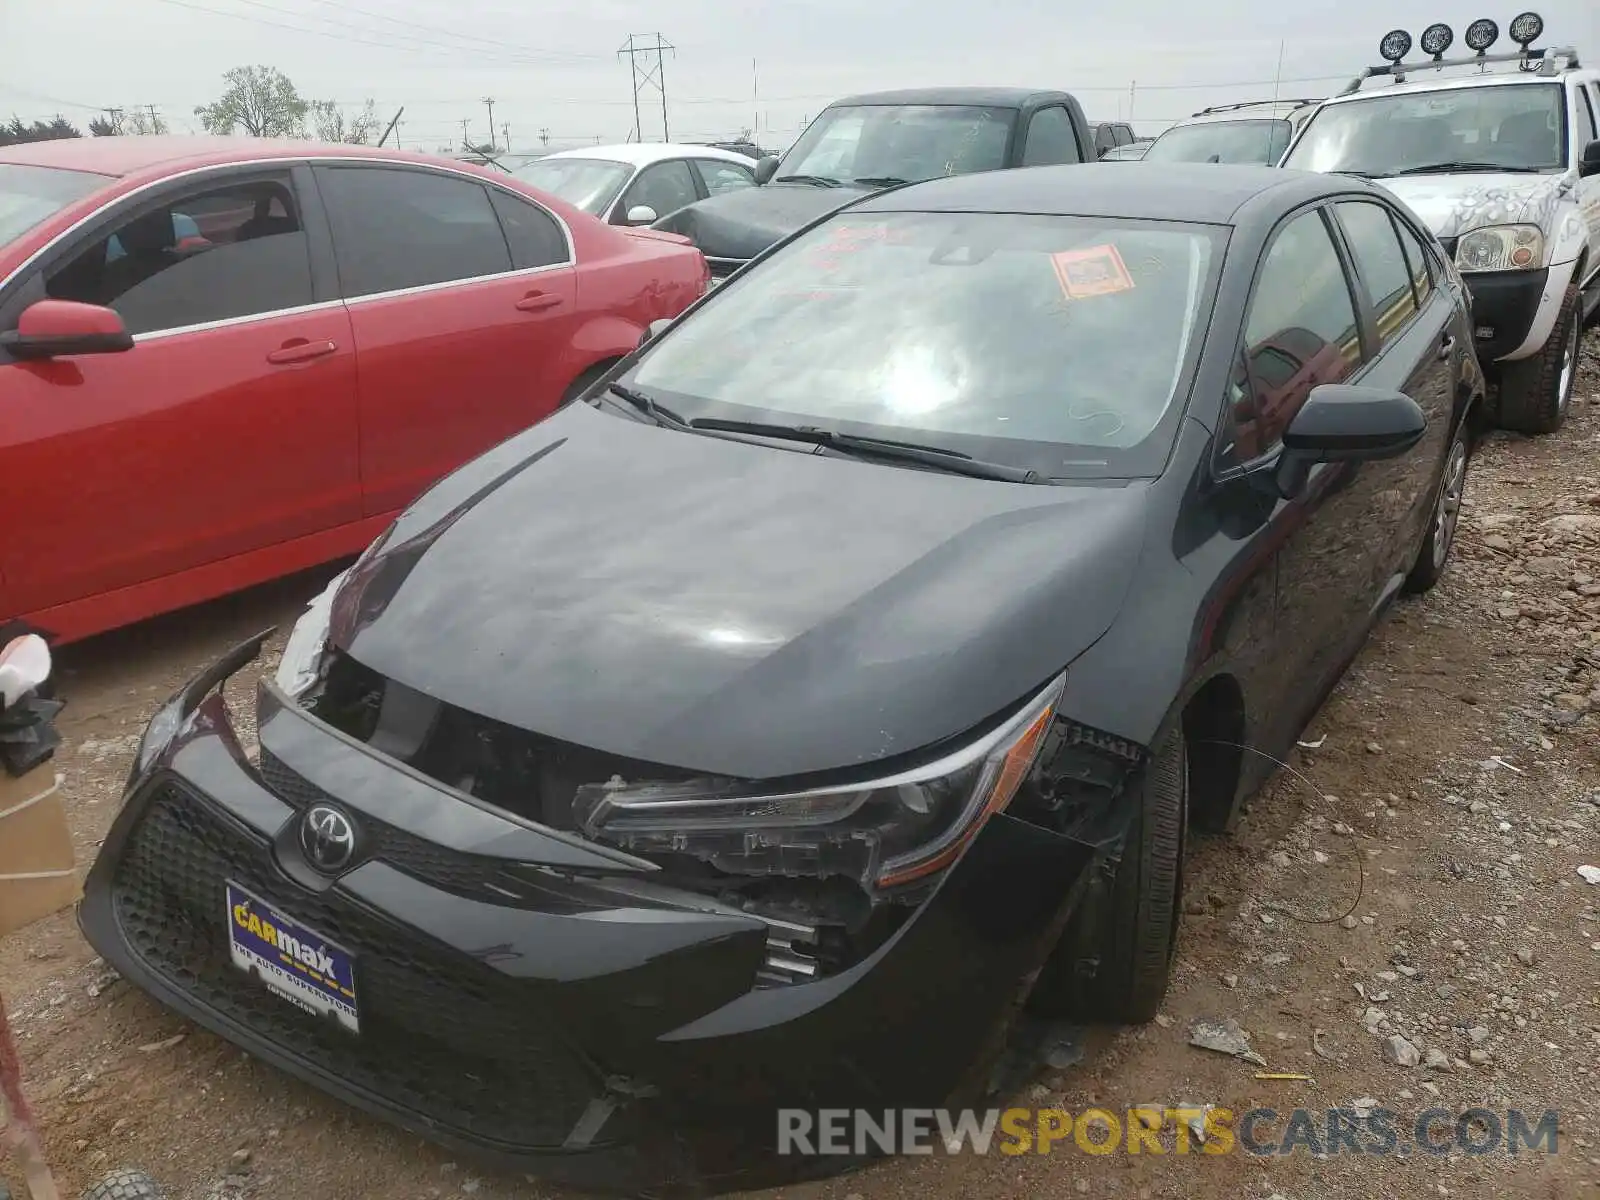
(642, 154)
(1450, 83)
(119, 156)
(986, 97)
(1266, 112)
(1204, 193)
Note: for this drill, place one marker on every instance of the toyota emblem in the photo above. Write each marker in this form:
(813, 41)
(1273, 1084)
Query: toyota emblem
(328, 838)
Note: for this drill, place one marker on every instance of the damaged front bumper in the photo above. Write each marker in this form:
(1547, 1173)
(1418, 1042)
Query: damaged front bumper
(532, 997)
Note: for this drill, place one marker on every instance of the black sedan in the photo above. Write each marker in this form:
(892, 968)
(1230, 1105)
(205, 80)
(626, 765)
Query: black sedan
(847, 667)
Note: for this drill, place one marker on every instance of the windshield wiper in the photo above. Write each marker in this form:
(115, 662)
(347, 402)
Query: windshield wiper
(813, 180)
(953, 461)
(1443, 167)
(656, 412)
(881, 181)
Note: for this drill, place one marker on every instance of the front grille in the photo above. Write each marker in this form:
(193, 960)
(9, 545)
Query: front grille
(442, 1036)
(463, 874)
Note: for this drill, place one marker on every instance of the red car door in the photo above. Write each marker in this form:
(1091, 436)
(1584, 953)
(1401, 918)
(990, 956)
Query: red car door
(462, 324)
(229, 427)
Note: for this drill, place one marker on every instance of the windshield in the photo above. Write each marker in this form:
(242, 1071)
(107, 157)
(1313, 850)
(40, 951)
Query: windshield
(901, 141)
(1516, 127)
(1057, 344)
(1223, 141)
(30, 194)
(587, 183)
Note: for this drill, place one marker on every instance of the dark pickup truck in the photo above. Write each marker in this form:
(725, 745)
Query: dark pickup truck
(862, 144)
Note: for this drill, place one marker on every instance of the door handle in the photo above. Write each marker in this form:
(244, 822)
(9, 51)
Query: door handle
(300, 350)
(537, 302)
(1447, 347)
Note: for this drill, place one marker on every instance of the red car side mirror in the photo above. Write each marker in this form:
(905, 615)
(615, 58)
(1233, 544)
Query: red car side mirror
(56, 328)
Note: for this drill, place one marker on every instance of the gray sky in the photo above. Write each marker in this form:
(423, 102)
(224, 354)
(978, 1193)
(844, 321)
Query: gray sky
(554, 65)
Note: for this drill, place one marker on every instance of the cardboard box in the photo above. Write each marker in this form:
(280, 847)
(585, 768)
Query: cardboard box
(38, 873)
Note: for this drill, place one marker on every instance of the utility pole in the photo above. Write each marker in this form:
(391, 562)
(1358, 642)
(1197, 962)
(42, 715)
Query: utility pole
(505, 129)
(394, 126)
(647, 76)
(114, 115)
(465, 145)
(1133, 87)
(489, 101)
(755, 103)
(544, 135)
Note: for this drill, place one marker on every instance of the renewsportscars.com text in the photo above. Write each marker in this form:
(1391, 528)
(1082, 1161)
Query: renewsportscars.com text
(1154, 1130)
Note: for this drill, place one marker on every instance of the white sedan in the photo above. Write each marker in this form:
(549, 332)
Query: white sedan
(638, 183)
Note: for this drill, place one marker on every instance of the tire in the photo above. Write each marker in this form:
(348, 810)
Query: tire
(1535, 391)
(125, 1185)
(1434, 556)
(1134, 935)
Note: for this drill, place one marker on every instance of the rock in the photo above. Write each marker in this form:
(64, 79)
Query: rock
(1590, 874)
(1574, 525)
(1525, 956)
(1401, 1052)
(1436, 1059)
(1280, 860)
(1374, 748)
(1478, 1055)
(1552, 568)
(241, 1156)
(1348, 922)
(1230, 981)
(1163, 1020)
(1276, 959)
(1495, 541)
(1224, 1037)
(1374, 1018)
(1364, 1107)
(1479, 1034)
(168, 1044)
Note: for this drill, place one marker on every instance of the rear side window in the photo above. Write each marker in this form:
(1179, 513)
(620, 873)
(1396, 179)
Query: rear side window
(395, 228)
(719, 176)
(535, 236)
(1300, 331)
(196, 258)
(1382, 265)
(1051, 139)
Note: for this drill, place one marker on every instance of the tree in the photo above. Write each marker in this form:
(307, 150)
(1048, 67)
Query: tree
(104, 127)
(329, 123)
(39, 131)
(259, 100)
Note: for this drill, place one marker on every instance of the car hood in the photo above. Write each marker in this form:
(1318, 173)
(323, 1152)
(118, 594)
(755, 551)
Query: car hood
(732, 608)
(1451, 205)
(742, 223)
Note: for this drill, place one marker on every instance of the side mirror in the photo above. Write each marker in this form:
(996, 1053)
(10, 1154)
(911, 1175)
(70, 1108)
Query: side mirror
(641, 214)
(766, 168)
(654, 330)
(1341, 423)
(56, 328)
(1589, 164)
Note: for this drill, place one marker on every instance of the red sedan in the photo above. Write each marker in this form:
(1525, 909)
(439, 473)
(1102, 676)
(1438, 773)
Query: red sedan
(223, 360)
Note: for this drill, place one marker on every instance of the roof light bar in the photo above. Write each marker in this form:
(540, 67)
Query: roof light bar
(1526, 28)
(1436, 39)
(1482, 34)
(1394, 45)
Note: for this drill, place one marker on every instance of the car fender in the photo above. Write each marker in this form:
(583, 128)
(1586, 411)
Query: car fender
(1555, 291)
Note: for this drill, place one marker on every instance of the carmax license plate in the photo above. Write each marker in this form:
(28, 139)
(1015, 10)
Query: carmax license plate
(297, 963)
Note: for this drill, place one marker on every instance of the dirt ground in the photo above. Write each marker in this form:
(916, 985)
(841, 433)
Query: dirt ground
(1452, 792)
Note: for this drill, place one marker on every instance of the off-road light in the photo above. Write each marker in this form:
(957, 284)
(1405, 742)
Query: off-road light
(1526, 28)
(1396, 44)
(1436, 40)
(1482, 34)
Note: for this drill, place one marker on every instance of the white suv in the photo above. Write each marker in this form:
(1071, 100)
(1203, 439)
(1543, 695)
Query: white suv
(1500, 156)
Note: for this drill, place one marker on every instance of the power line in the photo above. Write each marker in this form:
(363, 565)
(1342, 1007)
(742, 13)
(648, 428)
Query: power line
(499, 43)
(422, 45)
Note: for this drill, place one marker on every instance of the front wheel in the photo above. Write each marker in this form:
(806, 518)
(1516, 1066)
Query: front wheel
(124, 1185)
(1131, 939)
(1435, 553)
(1534, 392)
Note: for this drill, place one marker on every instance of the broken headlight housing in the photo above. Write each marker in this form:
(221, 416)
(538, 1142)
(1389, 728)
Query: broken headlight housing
(883, 832)
(1501, 248)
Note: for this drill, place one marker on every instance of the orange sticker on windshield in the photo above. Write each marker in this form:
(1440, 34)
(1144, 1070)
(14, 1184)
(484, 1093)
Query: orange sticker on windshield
(1095, 271)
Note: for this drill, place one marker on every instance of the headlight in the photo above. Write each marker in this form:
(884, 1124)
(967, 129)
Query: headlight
(302, 655)
(1501, 248)
(883, 832)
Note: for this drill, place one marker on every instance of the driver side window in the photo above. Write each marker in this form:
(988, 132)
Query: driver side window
(195, 258)
(1300, 331)
(665, 188)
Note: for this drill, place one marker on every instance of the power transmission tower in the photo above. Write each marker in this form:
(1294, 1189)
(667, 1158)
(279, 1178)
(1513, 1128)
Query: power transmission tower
(489, 100)
(114, 115)
(646, 76)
